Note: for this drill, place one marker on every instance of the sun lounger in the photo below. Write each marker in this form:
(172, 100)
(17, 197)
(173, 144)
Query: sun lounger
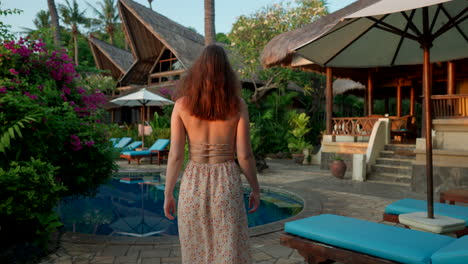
(132, 146)
(404, 206)
(123, 142)
(348, 240)
(158, 150)
(114, 141)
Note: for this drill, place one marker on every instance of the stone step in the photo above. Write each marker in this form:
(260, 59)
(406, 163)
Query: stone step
(381, 168)
(400, 147)
(407, 185)
(407, 155)
(390, 178)
(394, 162)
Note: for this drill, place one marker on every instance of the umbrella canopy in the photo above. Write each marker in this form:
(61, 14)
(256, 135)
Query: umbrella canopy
(396, 32)
(142, 98)
(389, 32)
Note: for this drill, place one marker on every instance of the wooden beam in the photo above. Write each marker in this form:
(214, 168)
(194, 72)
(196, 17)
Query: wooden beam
(451, 78)
(370, 91)
(412, 100)
(167, 73)
(398, 100)
(329, 100)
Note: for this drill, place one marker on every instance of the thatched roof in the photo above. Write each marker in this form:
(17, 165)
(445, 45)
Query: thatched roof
(345, 86)
(149, 33)
(109, 57)
(280, 50)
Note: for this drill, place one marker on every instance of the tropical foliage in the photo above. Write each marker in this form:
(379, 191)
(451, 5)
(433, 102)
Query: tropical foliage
(250, 34)
(4, 28)
(53, 143)
(271, 92)
(299, 128)
(73, 17)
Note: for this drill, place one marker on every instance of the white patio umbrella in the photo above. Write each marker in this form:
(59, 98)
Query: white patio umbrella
(142, 98)
(396, 32)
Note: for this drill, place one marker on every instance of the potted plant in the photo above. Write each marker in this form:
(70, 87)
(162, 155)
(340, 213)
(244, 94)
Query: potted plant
(338, 167)
(297, 142)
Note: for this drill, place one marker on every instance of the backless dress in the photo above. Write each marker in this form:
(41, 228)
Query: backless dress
(211, 214)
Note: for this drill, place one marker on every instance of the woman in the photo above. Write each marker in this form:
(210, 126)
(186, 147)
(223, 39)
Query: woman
(210, 113)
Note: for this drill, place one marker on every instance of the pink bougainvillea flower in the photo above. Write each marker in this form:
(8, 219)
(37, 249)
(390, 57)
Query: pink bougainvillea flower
(90, 143)
(66, 90)
(3, 90)
(75, 142)
(13, 71)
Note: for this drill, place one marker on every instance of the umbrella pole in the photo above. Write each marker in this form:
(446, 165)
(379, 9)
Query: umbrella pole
(427, 83)
(143, 128)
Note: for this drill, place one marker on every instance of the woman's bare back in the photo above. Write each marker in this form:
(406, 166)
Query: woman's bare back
(210, 141)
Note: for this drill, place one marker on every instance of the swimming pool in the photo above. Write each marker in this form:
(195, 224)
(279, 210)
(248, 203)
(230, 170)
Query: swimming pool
(125, 207)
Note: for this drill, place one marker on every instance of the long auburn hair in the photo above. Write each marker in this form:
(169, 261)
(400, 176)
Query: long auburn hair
(210, 88)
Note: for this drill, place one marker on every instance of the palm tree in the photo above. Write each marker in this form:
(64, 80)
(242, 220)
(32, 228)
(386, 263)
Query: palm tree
(108, 17)
(209, 22)
(42, 19)
(72, 16)
(54, 22)
(150, 1)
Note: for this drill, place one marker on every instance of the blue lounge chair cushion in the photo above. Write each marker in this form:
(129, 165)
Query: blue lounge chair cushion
(123, 142)
(113, 141)
(379, 240)
(137, 153)
(132, 146)
(405, 206)
(160, 144)
(454, 253)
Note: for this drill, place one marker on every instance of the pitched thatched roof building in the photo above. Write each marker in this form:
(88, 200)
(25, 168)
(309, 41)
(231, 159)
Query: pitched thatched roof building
(109, 57)
(163, 48)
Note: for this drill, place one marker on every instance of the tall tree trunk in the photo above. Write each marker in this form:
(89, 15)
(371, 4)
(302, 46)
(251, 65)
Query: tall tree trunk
(209, 22)
(75, 40)
(149, 1)
(55, 22)
(112, 40)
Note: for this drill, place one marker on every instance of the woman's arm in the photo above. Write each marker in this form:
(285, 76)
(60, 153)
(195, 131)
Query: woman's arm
(175, 160)
(245, 156)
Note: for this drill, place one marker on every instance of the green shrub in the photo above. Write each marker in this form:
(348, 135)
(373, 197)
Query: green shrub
(299, 128)
(30, 190)
(46, 115)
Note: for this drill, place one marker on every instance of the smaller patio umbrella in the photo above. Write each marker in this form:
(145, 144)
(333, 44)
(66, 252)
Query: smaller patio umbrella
(142, 98)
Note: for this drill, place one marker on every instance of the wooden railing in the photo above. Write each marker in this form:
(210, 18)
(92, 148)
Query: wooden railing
(450, 106)
(353, 126)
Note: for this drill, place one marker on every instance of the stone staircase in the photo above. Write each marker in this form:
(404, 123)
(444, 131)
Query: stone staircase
(394, 165)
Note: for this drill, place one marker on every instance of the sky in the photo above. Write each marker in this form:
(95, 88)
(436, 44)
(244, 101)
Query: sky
(186, 12)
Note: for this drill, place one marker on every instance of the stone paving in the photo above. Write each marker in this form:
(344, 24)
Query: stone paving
(321, 192)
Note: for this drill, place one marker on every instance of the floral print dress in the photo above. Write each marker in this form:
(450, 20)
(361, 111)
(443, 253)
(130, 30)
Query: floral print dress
(212, 219)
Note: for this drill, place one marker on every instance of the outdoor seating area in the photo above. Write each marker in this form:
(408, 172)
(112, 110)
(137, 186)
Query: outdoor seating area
(405, 206)
(349, 240)
(157, 151)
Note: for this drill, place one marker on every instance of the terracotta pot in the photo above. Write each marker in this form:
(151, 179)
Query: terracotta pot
(338, 168)
(298, 158)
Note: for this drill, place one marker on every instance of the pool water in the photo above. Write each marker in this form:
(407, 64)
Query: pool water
(135, 208)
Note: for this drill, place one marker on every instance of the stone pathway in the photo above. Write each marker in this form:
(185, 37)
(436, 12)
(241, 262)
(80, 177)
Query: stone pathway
(322, 193)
